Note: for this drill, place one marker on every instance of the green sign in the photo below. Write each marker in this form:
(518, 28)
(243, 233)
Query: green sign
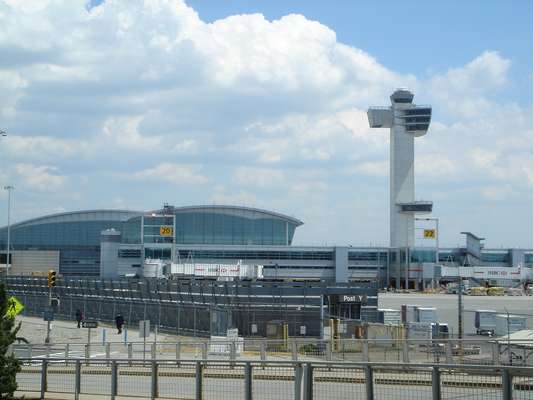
(14, 307)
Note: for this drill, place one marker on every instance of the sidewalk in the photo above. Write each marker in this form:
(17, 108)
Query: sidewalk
(33, 329)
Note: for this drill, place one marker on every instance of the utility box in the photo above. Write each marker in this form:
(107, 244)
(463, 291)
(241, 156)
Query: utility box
(389, 317)
(440, 330)
(509, 324)
(485, 322)
(426, 314)
(419, 331)
(408, 313)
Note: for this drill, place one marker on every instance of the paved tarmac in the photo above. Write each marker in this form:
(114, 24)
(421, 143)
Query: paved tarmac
(33, 329)
(446, 305)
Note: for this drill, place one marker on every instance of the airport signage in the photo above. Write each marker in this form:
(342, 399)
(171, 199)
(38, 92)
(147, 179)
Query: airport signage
(165, 230)
(351, 298)
(14, 307)
(430, 234)
(89, 324)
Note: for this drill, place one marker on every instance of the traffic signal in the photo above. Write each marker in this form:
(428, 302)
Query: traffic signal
(51, 278)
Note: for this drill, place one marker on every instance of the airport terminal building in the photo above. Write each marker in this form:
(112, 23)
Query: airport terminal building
(114, 243)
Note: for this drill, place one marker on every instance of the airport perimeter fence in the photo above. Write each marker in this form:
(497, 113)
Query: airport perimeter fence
(205, 379)
(465, 352)
(189, 307)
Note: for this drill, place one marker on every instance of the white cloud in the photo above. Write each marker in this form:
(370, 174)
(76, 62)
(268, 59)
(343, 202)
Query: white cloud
(41, 146)
(124, 133)
(245, 102)
(172, 173)
(222, 195)
(260, 177)
(38, 177)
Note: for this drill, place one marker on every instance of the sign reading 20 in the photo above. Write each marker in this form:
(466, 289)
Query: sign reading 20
(166, 230)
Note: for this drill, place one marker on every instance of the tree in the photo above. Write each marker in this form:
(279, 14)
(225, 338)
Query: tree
(9, 365)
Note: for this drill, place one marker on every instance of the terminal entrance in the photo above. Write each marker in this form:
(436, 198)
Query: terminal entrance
(345, 306)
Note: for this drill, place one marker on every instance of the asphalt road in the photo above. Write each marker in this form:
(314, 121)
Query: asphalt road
(446, 305)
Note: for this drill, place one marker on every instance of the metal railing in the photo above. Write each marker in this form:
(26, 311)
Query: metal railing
(207, 379)
(479, 352)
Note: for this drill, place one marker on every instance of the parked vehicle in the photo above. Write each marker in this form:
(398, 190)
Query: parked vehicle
(485, 322)
(506, 324)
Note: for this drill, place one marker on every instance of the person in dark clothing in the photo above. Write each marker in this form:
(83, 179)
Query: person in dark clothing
(79, 317)
(119, 321)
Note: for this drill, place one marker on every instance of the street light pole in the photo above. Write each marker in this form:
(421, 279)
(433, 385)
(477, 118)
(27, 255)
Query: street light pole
(9, 188)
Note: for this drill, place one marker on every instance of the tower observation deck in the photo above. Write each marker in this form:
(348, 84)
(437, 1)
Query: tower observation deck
(406, 121)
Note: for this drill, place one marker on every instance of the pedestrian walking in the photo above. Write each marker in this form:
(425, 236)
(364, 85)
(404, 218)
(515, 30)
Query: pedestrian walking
(79, 317)
(119, 321)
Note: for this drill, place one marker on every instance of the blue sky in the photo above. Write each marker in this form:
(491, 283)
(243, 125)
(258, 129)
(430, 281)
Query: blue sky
(128, 104)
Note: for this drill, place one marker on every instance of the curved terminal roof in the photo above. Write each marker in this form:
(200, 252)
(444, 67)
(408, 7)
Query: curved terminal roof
(77, 216)
(124, 215)
(249, 212)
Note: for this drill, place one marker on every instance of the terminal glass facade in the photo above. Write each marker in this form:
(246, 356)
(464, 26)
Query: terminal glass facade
(205, 227)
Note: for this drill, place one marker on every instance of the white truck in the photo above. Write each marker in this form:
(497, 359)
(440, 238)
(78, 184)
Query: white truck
(507, 324)
(485, 322)
(426, 314)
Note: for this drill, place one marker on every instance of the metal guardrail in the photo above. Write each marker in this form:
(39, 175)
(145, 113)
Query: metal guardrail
(206, 379)
(480, 352)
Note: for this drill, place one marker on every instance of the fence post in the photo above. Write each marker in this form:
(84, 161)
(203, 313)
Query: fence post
(178, 352)
(328, 351)
(107, 352)
(365, 350)
(232, 353)
(30, 351)
(130, 352)
(67, 352)
(405, 353)
(87, 353)
(77, 380)
(294, 350)
(495, 353)
(297, 381)
(369, 382)
(435, 383)
(155, 391)
(263, 350)
(44, 378)
(204, 350)
(248, 381)
(449, 352)
(308, 382)
(114, 380)
(507, 384)
(199, 371)
(153, 351)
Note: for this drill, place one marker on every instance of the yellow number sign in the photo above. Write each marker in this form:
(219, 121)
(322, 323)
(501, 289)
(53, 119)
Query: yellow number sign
(165, 230)
(429, 233)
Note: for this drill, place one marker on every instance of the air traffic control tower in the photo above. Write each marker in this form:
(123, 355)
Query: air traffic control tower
(406, 121)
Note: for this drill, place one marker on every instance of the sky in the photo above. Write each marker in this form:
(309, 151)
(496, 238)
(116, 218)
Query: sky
(127, 104)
